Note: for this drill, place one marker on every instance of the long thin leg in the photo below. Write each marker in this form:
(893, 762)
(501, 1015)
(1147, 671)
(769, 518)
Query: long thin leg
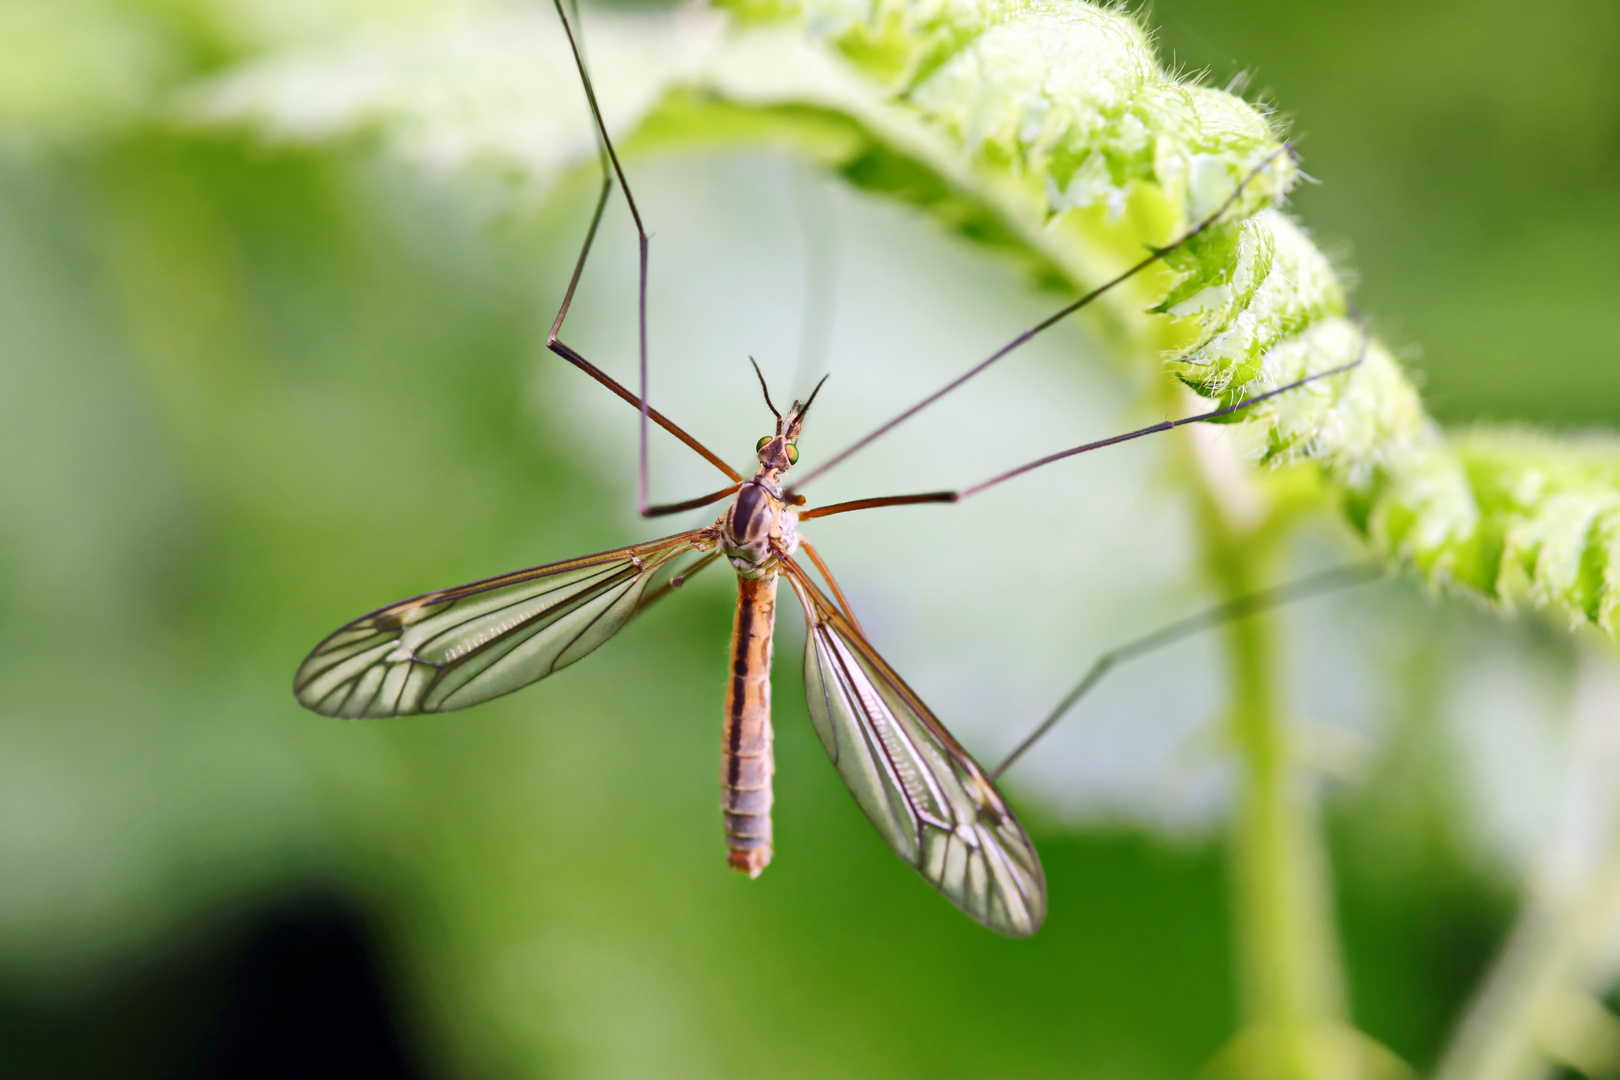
(1314, 585)
(1154, 255)
(606, 166)
(690, 504)
(843, 602)
(611, 159)
(681, 578)
(563, 350)
(1165, 425)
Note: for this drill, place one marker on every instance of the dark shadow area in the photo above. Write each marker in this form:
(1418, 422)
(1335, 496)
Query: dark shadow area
(297, 988)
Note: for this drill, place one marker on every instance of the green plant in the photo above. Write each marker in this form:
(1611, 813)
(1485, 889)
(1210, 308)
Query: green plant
(1050, 134)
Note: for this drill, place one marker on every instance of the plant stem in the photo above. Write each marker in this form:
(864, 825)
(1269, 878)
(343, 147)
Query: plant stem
(1288, 967)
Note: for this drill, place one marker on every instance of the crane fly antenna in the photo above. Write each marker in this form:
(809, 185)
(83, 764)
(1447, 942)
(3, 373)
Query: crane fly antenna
(1153, 256)
(761, 377)
(805, 408)
(611, 168)
(1340, 577)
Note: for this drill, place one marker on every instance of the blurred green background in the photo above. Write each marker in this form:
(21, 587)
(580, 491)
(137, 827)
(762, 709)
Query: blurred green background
(247, 393)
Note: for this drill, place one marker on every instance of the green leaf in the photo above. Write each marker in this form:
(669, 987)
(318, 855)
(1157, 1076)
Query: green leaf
(1049, 132)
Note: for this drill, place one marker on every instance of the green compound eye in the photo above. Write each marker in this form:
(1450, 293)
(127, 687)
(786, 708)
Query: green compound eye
(793, 454)
(763, 439)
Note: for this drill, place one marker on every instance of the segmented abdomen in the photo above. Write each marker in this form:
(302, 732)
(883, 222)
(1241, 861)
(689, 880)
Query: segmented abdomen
(745, 748)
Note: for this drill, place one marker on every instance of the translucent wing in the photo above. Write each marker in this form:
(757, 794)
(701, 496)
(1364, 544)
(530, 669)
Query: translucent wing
(457, 647)
(927, 797)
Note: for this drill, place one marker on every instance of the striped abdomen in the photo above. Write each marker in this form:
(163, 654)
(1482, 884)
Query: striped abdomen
(745, 748)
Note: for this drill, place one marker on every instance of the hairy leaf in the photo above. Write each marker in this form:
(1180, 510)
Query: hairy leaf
(1049, 131)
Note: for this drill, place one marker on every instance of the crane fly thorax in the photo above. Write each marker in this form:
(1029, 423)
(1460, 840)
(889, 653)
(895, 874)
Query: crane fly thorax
(757, 524)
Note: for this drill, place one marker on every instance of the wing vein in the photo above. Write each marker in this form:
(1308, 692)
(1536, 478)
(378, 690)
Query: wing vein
(920, 788)
(456, 647)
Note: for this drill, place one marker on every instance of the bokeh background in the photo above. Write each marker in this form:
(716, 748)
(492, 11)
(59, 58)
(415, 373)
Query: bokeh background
(249, 391)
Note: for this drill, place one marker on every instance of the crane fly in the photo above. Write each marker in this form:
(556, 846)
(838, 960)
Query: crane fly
(937, 809)
(928, 798)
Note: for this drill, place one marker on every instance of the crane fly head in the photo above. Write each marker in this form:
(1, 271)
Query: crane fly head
(780, 452)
